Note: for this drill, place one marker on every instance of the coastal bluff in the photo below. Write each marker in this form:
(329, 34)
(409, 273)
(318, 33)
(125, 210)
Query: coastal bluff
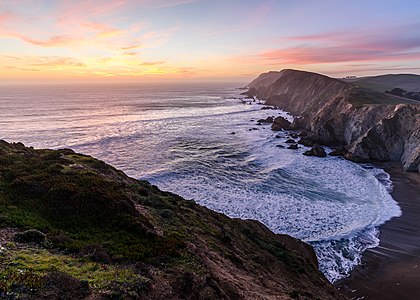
(371, 125)
(73, 227)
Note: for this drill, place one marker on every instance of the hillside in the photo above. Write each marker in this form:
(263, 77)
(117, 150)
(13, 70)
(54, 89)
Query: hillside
(373, 126)
(73, 227)
(382, 83)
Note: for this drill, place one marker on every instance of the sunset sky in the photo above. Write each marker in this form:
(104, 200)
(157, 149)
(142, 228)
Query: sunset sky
(132, 40)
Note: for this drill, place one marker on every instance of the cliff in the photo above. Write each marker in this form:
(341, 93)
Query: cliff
(73, 227)
(373, 126)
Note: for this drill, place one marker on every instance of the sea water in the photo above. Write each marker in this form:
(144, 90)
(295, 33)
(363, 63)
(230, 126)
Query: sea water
(200, 141)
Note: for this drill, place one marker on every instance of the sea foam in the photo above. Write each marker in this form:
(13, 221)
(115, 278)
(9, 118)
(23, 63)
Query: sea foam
(180, 138)
(333, 204)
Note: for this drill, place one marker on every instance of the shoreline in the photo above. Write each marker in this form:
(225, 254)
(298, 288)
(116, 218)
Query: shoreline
(392, 270)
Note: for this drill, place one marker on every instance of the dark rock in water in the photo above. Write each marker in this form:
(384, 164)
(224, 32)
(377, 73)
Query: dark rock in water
(294, 136)
(267, 107)
(251, 129)
(280, 146)
(232, 132)
(338, 152)
(291, 141)
(267, 120)
(306, 141)
(293, 146)
(298, 123)
(30, 236)
(356, 158)
(279, 136)
(252, 120)
(280, 123)
(316, 151)
(259, 124)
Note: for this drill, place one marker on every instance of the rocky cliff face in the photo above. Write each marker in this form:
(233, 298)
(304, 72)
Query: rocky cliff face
(372, 125)
(73, 227)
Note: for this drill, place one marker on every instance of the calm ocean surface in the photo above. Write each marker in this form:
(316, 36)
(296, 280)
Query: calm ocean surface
(178, 136)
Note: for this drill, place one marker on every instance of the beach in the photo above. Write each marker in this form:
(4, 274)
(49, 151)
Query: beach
(392, 270)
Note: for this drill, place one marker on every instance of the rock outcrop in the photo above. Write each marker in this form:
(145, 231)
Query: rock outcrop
(280, 123)
(316, 151)
(373, 126)
(109, 236)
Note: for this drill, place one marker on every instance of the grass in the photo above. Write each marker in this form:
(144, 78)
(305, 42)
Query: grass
(80, 201)
(30, 265)
(360, 97)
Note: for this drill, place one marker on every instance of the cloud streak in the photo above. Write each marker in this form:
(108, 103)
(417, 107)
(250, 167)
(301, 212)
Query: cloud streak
(335, 47)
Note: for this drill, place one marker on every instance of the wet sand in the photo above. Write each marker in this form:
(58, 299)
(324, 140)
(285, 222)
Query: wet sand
(392, 270)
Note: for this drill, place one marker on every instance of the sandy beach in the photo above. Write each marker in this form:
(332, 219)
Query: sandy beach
(392, 270)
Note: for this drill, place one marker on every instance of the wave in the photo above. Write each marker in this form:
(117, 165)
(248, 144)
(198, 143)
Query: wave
(333, 204)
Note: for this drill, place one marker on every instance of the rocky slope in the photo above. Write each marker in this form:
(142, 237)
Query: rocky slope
(73, 227)
(373, 126)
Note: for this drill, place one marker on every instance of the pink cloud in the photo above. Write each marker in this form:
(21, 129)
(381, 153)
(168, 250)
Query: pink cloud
(5, 17)
(81, 9)
(319, 55)
(55, 41)
(96, 26)
(359, 46)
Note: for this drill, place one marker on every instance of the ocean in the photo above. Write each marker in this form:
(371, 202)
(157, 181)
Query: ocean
(198, 140)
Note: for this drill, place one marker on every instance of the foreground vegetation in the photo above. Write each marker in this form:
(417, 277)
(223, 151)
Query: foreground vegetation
(74, 227)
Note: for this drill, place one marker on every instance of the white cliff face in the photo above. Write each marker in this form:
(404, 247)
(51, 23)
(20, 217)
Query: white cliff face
(372, 125)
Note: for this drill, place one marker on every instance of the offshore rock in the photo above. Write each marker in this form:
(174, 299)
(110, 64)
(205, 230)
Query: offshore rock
(280, 123)
(316, 151)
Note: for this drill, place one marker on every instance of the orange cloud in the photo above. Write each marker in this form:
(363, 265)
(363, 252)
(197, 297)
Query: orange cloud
(131, 47)
(55, 41)
(152, 63)
(40, 61)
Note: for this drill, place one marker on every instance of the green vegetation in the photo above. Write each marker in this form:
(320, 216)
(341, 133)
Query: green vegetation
(404, 86)
(84, 206)
(29, 266)
(403, 93)
(360, 97)
(75, 224)
(382, 83)
(79, 201)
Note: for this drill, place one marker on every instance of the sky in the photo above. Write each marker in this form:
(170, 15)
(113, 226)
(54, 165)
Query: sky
(204, 40)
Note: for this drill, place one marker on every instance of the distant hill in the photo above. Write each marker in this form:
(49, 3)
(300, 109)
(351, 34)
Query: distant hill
(382, 83)
(317, 88)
